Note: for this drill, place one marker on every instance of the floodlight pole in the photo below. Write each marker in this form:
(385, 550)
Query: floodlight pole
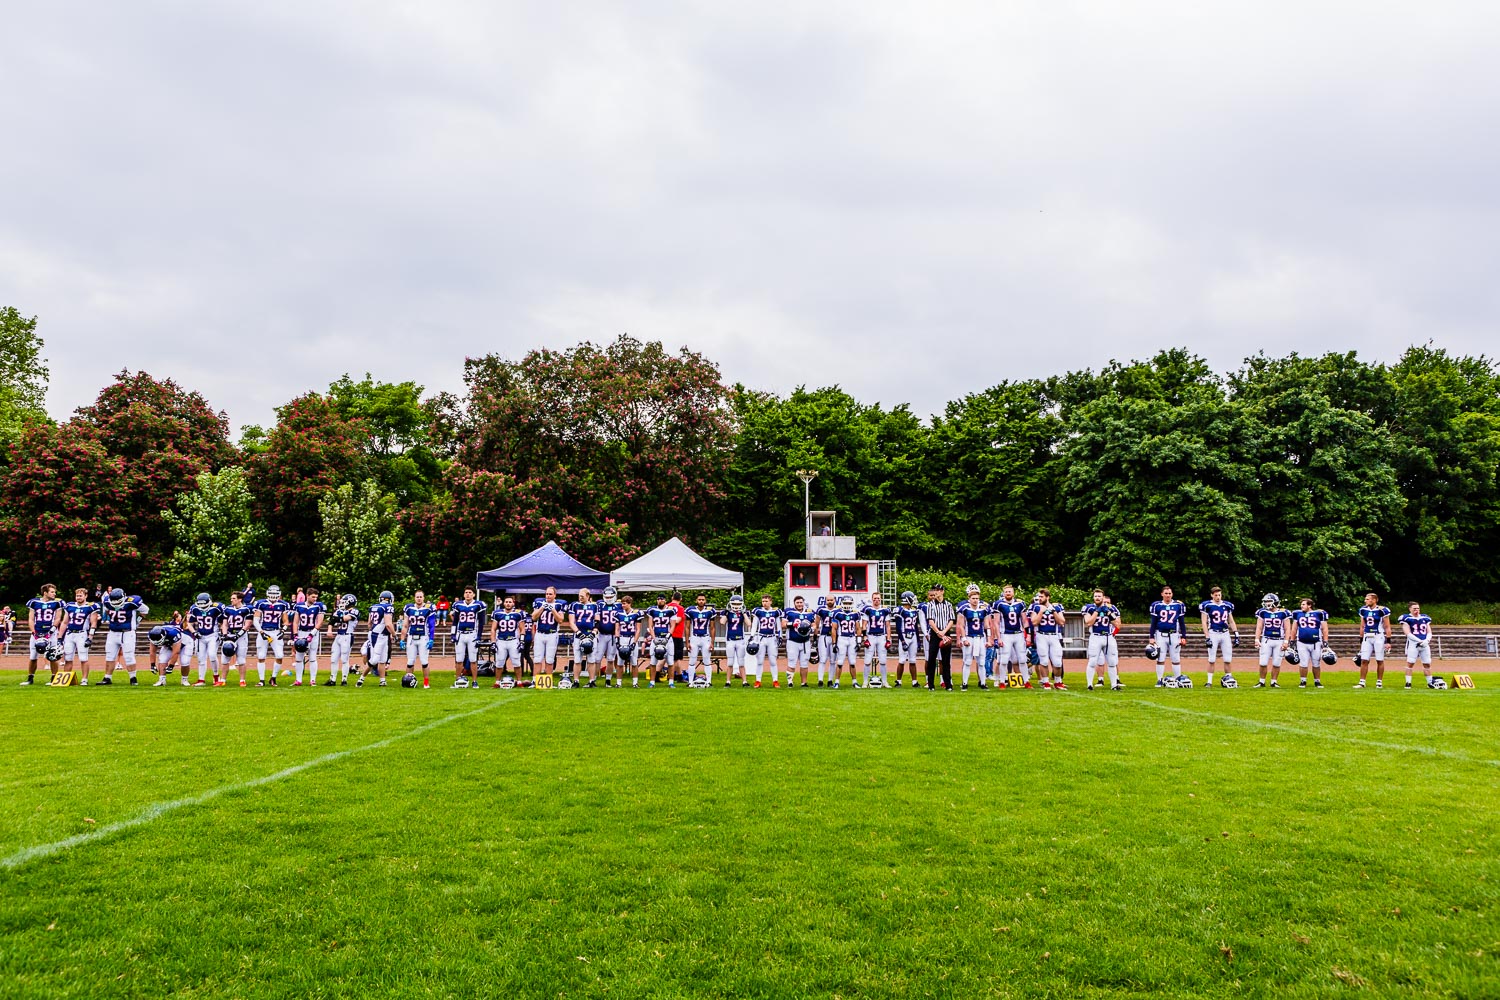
(807, 476)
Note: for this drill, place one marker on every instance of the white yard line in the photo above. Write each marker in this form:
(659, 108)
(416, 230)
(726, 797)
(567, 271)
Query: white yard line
(159, 809)
(1300, 731)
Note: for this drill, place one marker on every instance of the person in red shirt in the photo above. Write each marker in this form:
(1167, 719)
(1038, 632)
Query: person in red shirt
(442, 606)
(677, 630)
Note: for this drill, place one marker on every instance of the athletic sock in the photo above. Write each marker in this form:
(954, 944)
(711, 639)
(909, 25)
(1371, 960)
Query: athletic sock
(260, 668)
(1114, 676)
(1088, 674)
(1161, 671)
(312, 674)
(1210, 678)
(966, 672)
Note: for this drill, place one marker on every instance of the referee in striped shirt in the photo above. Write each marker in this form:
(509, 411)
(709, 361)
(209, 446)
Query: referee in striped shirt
(940, 616)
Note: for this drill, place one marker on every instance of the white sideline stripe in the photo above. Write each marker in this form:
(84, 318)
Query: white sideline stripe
(159, 809)
(1314, 733)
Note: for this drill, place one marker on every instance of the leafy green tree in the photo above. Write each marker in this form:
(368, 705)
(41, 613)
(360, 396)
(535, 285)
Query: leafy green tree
(361, 547)
(217, 541)
(23, 375)
(399, 433)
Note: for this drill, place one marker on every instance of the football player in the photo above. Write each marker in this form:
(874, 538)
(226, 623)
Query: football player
(973, 617)
(467, 617)
(735, 621)
(825, 639)
(80, 618)
(340, 630)
(909, 628)
(548, 616)
(42, 616)
(607, 645)
(1312, 636)
(121, 615)
(583, 617)
(307, 618)
(877, 627)
(201, 638)
(661, 620)
(235, 619)
(801, 633)
(169, 649)
(1010, 618)
(377, 648)
(1100, 619)
(1374, 636)
(1049, 618)
(700, 630)
(767, 638)
(631, 623)
(1417, 628)
(271, 614)
(418, 620)
(507, 625)
(1220, 633)
(1271, 637)
(848, 626)
(1168, 627)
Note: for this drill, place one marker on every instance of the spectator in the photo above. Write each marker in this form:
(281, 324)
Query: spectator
(677, 630)
(442, 609)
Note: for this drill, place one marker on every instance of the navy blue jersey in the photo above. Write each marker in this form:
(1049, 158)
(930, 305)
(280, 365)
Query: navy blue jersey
(552, 612)
(661, 620)
(1011, 614)
(875, 620)
(825, 618)
(78, 613)
(467, 615)
(1273, 623)
(306, 614)
(1044, 618)
(202, 621)
(1105, 623)
(273, 614)
(378, 613)
(584, 614)
(609, 614)
(629, 623)
(799, 624)
(1420, 625)
(47, 613)
(973, 614)
(171, 635)
(126, 616)
(847, 622)
(1310, 625)
(1218, 614)
(701, 620)
(509, 624)
(1169, 616)
(235, 619)
(908, 620)
(767, 620)
(1370, 618)
(344, 619)
(420, 621)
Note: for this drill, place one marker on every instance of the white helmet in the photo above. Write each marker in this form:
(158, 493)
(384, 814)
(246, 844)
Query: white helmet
(347, 601)
(972, 588)
(1270, 601)
(610, 593)
(273, 592)
(736, 603)
(846, 602)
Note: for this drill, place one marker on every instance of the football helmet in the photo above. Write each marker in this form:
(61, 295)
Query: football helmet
(408, 680)
(813, 657)
(875, 682)
(736, 603)
(846, 603)
(1291, 656)
(626, 650)
(507, 682)
(115, 598)
(1181, 681)
(301, 643)
(1228, 681)
(273, 593)
(972, 588)
(586, 644)
(203, 600)
(40, 643)
(1437, 684)
(1270, 602)
(753, 647)
(1359, 661)
(1329, 657)
(347, 601)
(1152, 651)
(803, 632)
(565, 682)
(610, 593)
(659, 649)
(699, 681)
(387, 597)
(228, 647)
(157, 636)
(908, 599)
(54, 651)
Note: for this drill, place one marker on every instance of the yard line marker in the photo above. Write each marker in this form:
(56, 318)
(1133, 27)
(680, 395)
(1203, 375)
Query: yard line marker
(1315, 733)
(159, 809)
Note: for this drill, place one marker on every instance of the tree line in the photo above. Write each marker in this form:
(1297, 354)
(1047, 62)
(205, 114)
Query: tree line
(1323, 475)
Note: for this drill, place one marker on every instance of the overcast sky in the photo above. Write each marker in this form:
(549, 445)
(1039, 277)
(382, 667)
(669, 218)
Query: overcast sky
(911, 200)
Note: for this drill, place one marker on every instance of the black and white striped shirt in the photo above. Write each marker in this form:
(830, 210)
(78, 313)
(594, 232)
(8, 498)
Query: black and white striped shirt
(940, 615)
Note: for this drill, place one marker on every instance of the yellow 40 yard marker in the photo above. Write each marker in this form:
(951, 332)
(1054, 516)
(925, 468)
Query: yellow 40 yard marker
(1462, 682)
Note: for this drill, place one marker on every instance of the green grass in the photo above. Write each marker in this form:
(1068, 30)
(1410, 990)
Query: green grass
(768, 844)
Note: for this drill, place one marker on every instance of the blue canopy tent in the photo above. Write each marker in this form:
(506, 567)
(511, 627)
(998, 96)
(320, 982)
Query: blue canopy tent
(548, 566)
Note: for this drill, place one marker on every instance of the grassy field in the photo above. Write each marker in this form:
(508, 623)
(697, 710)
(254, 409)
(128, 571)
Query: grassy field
(770, 843)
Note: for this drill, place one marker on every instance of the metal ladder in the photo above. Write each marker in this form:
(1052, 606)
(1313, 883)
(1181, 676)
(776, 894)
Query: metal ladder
(886, 569)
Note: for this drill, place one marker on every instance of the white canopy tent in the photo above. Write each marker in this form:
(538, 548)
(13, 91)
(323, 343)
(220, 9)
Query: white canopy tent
(672, 565)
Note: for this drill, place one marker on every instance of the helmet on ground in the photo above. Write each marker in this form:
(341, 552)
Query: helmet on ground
(610, 593)
(203, 600)
(1228, 681)
(753, 647)
(408, 680)
(301, 643)
(115, 598)
(1438, 684)
(1291, 656)
(586, 645)
(273, 592)
(347, 601)
(507, 682)
(228, 647)
(387, 597)
(908, 599)
(1270, 601)
(565, 682)
(1329, 657)
(1152, 651)
(1183, 681)
(736, 603)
